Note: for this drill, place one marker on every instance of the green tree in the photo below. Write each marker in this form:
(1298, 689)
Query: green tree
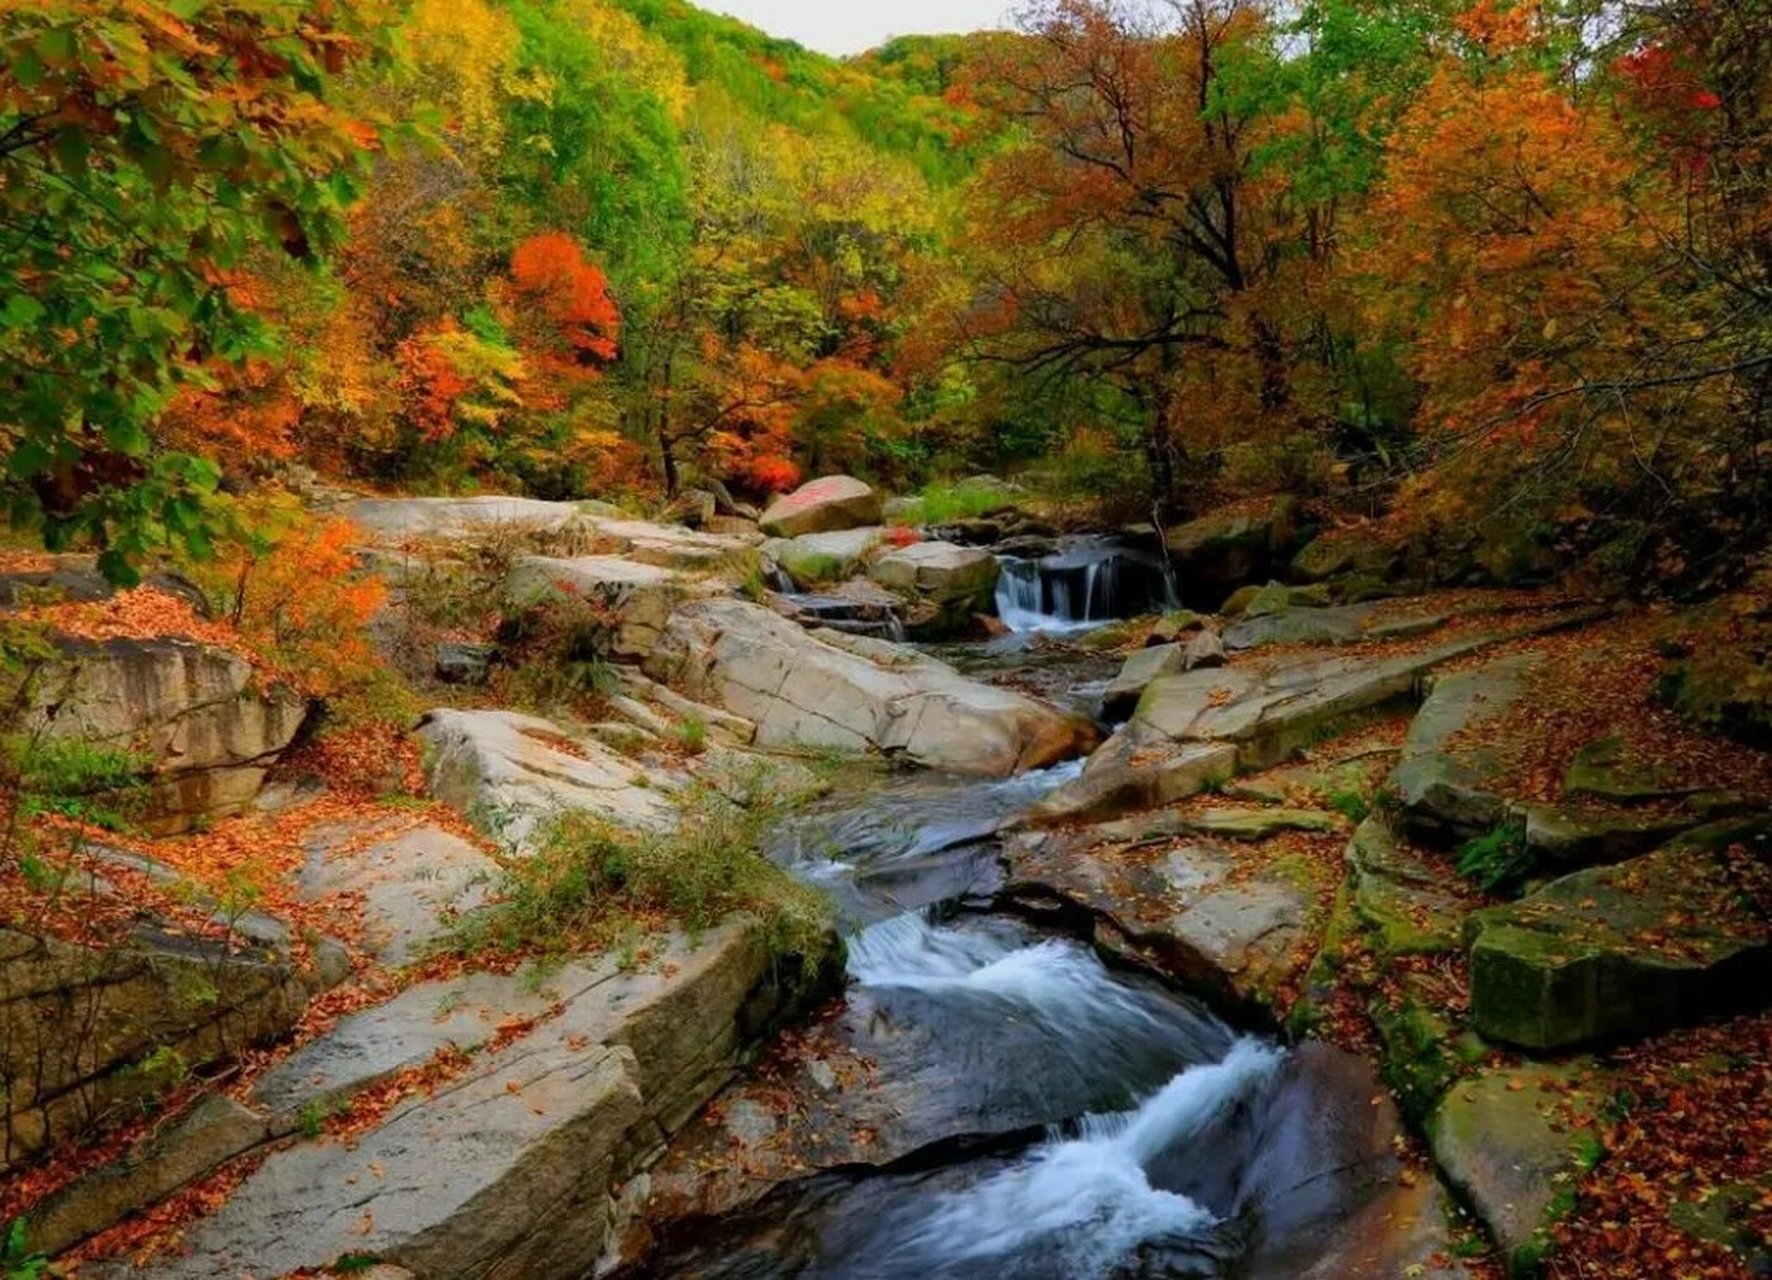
(147, 150)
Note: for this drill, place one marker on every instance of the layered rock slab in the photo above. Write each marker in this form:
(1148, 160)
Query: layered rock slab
(510, 772)
(505, 1171)
(205, 725)
(1631, 948)
(825, 689)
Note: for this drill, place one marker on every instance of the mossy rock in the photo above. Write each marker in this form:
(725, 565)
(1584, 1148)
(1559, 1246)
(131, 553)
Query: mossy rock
(1398, 897)
(1514, 1144)
(1628, 949)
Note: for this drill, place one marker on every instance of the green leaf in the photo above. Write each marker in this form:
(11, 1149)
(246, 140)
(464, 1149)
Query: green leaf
(21, 311)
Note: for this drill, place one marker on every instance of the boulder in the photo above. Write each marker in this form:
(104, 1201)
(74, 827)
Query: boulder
(1131, 772)
(1192, 906)
(1169, 628)
(511, 772)
(1201, 727)
(1139, 670)
(1630, 949)
(1447, 775)
(950, 583)
(632, 600)
(1216, 553)
(203, 723)
(1513, 1143)
(458, 662)
(693, 507)
(1411, 906)
(825, 689)
(823, 506)
(1334, 555)
(1257, 602)
(1204, 651)
(814, 559)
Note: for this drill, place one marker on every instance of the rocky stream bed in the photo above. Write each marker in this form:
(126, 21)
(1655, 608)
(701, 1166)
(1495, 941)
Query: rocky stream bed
(1157, 962)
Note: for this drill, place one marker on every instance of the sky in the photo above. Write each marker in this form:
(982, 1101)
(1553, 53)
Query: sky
(849, 26)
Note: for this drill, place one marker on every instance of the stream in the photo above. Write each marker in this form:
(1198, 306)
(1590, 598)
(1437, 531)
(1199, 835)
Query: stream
(1094, 1122)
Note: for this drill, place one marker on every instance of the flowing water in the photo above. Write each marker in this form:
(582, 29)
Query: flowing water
(1089, 581)
(1083, 1121)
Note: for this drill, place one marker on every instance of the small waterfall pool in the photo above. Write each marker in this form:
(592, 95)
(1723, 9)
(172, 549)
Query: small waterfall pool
(1087, 582)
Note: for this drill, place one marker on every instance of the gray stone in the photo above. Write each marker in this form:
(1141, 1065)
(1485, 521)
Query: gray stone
(674, 547)
(852, 693)
(1204, 652)
(210, 1133)
(1139, 670)
(410, 883)
(1193, 909)
(362, 1050)
(85, 1031)
(1220, 551)
(1132, 771)
(1411, 908)
(505, 1171)
(510, 772)
(200, 720)
(461, 663)
(1628, 949)
(635, 599)
(939, 570)
(1446, 777)
(816, 559)
(1260, 824)
(1510, 1143)
(821, 506)
(397, 519)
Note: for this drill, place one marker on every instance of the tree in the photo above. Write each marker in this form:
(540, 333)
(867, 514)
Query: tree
(1121, 236)
(146, 150)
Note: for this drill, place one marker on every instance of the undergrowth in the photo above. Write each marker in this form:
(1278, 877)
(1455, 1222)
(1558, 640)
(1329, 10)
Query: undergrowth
(946, 503)
(1498, 859)
(591, 886)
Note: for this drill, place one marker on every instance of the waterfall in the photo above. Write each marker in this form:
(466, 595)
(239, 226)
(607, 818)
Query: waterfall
(1088, 582)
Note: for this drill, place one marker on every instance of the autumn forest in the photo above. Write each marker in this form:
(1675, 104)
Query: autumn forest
(630, 649)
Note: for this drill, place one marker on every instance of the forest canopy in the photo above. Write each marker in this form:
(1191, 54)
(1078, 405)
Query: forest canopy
(1492, 271)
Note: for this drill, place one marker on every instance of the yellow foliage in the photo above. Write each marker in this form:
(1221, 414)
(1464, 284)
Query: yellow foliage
(465, 52)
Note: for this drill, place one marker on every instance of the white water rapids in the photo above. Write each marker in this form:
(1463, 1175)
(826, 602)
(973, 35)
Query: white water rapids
(1083, 1204)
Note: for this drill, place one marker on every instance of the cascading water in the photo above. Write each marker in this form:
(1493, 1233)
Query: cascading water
(1050, 1117)
(1087, 582)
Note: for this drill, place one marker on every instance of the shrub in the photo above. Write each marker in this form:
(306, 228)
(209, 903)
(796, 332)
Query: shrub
(590, 886)
(294, 588)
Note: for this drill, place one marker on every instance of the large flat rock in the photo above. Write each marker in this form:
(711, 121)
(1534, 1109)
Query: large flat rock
(827, 690)
(508, 1169)
(1628, 949)
(397, 519)
(408, 882)
(511, 772)
(1193, 906)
